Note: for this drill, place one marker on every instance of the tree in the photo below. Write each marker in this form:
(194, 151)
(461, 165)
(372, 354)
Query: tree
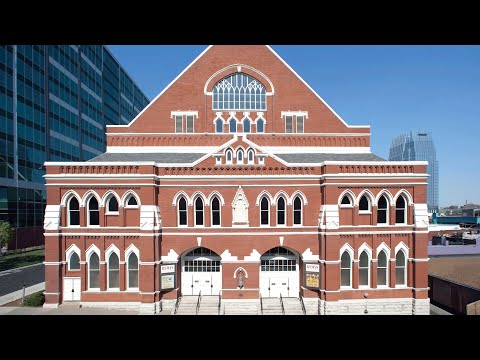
(6, 233)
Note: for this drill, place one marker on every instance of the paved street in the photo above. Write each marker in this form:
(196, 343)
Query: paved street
(12, 280)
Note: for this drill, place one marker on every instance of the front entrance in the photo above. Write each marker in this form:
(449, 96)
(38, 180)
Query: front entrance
(279, 273)
(201, 273)
(71, 289)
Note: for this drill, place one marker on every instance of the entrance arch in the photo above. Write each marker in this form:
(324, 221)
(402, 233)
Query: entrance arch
(201, 272)
(279, 273)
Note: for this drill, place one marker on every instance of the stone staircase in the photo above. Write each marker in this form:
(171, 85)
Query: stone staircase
(241, 308)
(208, 305)
(311, 306)
(272, 306)
(292, 306)
(187, 306)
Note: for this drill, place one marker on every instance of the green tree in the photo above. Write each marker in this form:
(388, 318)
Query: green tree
(6, 233)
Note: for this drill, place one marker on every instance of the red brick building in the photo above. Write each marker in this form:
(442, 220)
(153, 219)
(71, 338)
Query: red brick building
(238, 180)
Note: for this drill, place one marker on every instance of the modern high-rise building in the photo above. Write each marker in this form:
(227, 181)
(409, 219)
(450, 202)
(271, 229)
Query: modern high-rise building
(419, 146)
(55, 101)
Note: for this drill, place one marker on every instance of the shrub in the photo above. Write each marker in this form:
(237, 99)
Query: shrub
(37, 299)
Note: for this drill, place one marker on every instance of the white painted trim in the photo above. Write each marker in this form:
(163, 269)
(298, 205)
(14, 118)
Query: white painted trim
(182, 113)
(126, 196)
(243, 112)
(215, 193)
(106, 195)
(195, 195)
(164, 90)
(383, 247)
(302, 196)
(371, 201)
(68, 253)
(86, 197)
(349, 193)
(92, 249)
(267, 194)
(67, 195)
(406, 195)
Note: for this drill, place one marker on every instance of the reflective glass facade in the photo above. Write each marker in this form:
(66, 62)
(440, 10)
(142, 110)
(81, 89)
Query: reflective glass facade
(419, 146)
(55, 101)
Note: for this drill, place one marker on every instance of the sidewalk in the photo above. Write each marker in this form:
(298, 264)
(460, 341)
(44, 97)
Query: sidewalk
(18, 294)
(6, 310)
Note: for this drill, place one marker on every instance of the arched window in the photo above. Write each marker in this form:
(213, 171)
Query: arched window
(382, 269)
(264, 211)
(246, 125)
(364, 269)
(239, 91)
(240, 156)
(346, 200)
(93, 213)
(219, 126)
(112, 204)
(93, 271)
(229, 156)
(132, 269)
(346, 269)
(73, 212)
(232, 125)
(260, 126)
(182, 212)
(250, 156)
(132, 201)
(400, 268)
(199, 212)
(297, 211)
(281, 211)
(364, 204)
(74, 261)
(382, 210)
(113, 271)
(215, 211)
(400, 215)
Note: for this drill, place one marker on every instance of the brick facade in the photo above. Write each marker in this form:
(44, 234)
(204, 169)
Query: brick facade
(311, 170)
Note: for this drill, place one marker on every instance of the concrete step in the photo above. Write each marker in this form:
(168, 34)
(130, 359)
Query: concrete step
(70, 305)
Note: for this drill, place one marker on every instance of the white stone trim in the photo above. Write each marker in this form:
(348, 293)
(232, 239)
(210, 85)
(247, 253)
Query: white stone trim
(383, 247)
(66, 197)
(123, 200)
(406, 195)
(72, 249)
(183, 113)
(388, 195)
(109, 193)
(86, 197)
(52, 217)
(370, 197)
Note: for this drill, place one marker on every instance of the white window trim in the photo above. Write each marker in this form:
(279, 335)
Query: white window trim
(405, 253)
(243, 156)
(70, 251)
(369, 268)
(219, 212)
(178, 211)
(88, 213)
(405, 213)
(107, 211)
(261, 159)
(346, 247)
(369, 200)
(131, 206)
(303, 124)
(301, 211)
(284, 212)
(175, 124)
(350, 195)
(108, 272)
(193, 124)
(132, 250)
(68, 210)
(93, 250)
(387, 218)
(215, 125)
(126, 197)
(285, 124)
(268, 209)
(195, 211)
(243, 124)
(387, 270)
(253, 157)
(226, 156)
(260, 117)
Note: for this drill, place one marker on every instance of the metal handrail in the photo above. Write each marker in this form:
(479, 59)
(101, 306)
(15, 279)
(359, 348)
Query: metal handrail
(177, 303)
(281, 303)
(261, 304)
(219, 303)
(303, 305)
(319, 307)
(198, 302)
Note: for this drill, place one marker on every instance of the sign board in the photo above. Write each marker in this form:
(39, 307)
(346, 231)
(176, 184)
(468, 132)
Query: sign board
(167, 269)
(312, 276)
(167, 281)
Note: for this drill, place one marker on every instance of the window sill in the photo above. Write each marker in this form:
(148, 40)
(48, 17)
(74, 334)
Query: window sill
(383, 287)
(131, 207)
(73, 226)
(112, 213)
(364, 287)
(346, 288)
(361, 212)
(73, 270)
(401, 287)
(93, 226)
(346, 206)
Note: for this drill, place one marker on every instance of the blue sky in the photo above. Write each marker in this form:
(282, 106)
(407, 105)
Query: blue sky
(392, 88)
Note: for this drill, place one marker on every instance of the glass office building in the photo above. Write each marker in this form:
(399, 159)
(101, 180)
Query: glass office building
(55, 101)
(419, 146)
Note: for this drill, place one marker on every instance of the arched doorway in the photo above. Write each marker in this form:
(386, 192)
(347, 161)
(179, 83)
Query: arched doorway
(201, 272)
(279, 273)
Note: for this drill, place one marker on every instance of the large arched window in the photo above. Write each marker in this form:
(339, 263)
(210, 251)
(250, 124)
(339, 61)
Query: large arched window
(199, 212)
(364, 269)
(229, 156)
(232, 125)
(74, 261)
(182, 212)
(215, 205)
(281, 211)
(113, 271)
(364, 204)
(264, 211)
(346, 269)
(251, 156)
(400, 215)
(219, 126)
(73, 212)
(400, 268)
(382, 269)
(239, 91)
(132, 270)
(240, 156)
(382, 210)
(246, 125)
(260, 126)
(94, 271)
(93, 212)
(112, 206)
(297, 211)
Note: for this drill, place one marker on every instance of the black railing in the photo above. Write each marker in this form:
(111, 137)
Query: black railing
(177, 303)
(319, 307)
(303, 305)
(261, 304)
(219, 303)
(198, 302)
(281, 303)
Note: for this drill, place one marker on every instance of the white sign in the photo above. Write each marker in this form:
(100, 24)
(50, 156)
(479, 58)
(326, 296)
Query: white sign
(170, 268)
(312, 268)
